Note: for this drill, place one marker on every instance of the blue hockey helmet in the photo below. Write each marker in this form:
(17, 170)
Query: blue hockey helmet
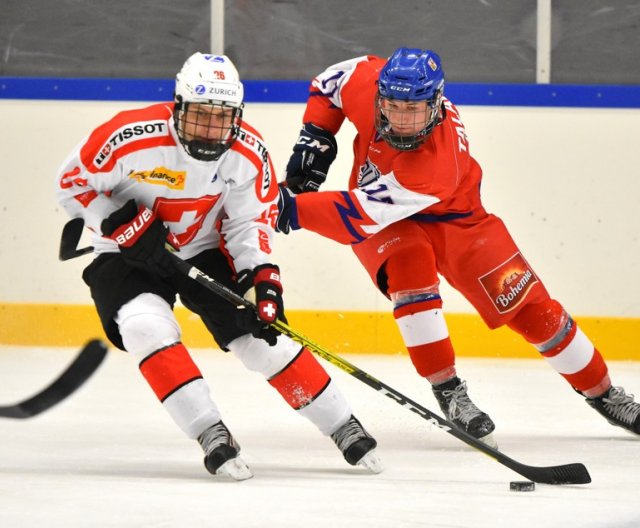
(413, 76)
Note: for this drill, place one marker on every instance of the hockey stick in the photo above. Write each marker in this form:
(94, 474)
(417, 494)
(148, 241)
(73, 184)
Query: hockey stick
(79, 371)
(71, 233)
(565, 474)
(575, 473)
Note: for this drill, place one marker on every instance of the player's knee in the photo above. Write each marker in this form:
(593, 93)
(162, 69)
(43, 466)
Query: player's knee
(540, 322)
(258, 356)
(417, 295)
(147, 324)
(411, 268)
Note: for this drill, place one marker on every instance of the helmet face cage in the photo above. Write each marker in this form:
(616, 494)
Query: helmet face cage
(408, 105)
(420, 119)
(207, 130)
(208, 105)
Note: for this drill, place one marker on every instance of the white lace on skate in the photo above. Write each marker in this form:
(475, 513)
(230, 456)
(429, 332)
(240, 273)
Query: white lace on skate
(461, 408)
(217, 435)
(214, 436)
(460, 405)
(349, 434)
(621, 406)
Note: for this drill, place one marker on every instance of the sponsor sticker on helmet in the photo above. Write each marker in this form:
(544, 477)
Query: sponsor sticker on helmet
(509, 283)
(214, 58)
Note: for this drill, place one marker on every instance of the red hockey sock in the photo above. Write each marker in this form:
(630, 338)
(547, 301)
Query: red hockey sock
(426, 336)
(169, 369)
(566, 348)
(301, 381)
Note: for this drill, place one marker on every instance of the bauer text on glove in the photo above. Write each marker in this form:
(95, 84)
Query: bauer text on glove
(141, 237)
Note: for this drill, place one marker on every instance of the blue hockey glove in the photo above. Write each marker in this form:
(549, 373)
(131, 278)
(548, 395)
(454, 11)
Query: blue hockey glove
(312, 156)
(287, 211)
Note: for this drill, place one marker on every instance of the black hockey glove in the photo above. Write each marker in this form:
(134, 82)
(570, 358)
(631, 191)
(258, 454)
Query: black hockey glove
(312, 156)
(141, 237)
(287, 211)
(262, 287)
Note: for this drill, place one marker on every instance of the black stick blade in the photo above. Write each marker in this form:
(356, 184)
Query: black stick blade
(79, 371)
(70, 238)
(566, 474)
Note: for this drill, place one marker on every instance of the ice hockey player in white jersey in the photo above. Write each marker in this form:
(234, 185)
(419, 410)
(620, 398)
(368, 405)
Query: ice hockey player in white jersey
(194, 174)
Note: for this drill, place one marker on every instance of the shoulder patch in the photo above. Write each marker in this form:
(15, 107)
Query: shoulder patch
(126, 131)
(250, 145)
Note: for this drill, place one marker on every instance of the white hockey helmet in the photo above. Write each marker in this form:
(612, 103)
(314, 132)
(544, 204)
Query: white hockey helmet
(211, 80)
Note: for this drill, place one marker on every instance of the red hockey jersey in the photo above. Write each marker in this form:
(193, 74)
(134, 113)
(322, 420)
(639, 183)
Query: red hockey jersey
(438, 180)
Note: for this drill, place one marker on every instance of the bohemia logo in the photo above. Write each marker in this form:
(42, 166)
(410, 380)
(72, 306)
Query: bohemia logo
(508, 284)
(161, 176)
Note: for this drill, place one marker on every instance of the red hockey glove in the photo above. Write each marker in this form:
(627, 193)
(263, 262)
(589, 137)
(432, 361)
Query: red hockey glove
(262, 287)
(312, 156)
(141, 237)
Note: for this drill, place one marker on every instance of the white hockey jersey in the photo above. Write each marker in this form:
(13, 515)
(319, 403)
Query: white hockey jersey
(229, 203)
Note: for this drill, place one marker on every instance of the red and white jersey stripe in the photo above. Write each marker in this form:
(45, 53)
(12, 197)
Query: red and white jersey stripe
(137, 154)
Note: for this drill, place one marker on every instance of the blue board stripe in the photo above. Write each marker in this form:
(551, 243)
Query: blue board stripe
(258, 91)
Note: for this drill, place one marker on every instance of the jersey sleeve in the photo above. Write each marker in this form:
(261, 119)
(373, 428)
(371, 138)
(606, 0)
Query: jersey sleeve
(94, 169)
(350, 217)
(324, 106)
(83, 193)
(250, 208)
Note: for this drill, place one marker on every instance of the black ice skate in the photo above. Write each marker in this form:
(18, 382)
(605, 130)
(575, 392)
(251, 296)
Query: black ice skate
(221, 453)
(357, 446)
(458, 408)
(618, 408)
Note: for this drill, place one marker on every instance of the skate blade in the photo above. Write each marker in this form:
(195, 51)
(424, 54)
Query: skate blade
(235, 469)
(372, 462)
(489, 440)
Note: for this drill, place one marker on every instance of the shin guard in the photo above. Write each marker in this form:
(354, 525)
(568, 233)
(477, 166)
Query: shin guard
(301, 381)
(564, 346)
(298, 377)
(178, 384)
(425, 334)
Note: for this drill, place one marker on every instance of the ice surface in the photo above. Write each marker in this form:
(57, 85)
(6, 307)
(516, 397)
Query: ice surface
(110, 457)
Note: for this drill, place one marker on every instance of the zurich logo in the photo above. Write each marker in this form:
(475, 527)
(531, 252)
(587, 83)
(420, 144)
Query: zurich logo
(200, 89)
(214, 58)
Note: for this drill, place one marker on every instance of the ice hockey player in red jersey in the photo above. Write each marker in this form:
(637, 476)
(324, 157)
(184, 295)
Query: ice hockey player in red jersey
(194, 174)
(413, 212)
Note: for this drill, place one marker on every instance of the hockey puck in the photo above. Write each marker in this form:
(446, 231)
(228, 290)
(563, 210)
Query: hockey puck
(522, 485)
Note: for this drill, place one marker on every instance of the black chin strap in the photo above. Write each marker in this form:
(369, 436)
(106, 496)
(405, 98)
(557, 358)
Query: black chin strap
(204, 151)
